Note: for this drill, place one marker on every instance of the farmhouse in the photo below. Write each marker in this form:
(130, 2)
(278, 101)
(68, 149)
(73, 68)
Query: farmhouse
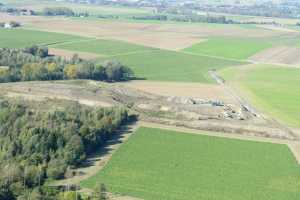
(7, 25)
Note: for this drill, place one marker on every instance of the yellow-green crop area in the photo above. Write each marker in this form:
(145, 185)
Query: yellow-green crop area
(104, 47)
(229, 47)
(273, 89)
(154, 64)
(160, 164)
(165, 65)
(147, 63)
(19, 38)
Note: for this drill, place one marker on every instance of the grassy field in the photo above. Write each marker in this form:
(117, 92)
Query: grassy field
(17, 38)
(229, 48)
(147, 63)
(165, 165)
(275, 90)
(164, 65)
(153, 64)
(103, 47)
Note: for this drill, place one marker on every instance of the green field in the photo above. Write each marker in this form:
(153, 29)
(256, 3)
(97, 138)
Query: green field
(103, 47)
(165, 65)
(147, 63)
(17, 38)
(275, 90)
(229, 48)
(153, 64)
(158, 164)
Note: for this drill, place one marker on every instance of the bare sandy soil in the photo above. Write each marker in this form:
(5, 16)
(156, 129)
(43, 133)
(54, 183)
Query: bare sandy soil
(165, 36)
(69, 54)
(195, 90)
(279, 55)
(192, 112)
(39, 91)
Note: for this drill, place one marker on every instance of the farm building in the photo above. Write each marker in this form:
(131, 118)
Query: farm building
(7, 25)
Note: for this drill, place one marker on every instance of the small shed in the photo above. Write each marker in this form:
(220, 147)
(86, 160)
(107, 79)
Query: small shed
(7, 25)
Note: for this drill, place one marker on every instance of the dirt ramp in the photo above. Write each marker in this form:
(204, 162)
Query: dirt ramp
(279, 55)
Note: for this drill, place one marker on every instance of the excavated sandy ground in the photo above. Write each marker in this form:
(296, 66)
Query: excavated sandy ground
(195, 90)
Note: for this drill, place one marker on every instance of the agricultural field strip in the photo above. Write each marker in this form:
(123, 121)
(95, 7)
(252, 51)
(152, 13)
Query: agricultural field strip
(212, 56)
(179, 51)
(72, 42)
(133, 52)
(56, 45)
(293, 145)
(136, 167)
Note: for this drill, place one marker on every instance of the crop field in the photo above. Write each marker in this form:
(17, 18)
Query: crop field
(164, 65)
(229, 47)
(275, 90)
(153, 64)
(103, 47)
(160, 164)
(16, 38)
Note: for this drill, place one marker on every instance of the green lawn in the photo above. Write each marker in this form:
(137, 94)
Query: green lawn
(158, 164)
(275, 90)
(17, 38)
(229, 48)
(162, 65)
(104, 47)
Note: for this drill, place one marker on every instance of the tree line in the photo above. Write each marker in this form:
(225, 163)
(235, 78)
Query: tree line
(187, 18)
(45, 141)
(35, 64)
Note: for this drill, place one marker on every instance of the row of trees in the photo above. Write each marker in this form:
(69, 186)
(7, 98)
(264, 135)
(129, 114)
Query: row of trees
(38, 143)
(34, 63)
(187, 18)
(57, 11)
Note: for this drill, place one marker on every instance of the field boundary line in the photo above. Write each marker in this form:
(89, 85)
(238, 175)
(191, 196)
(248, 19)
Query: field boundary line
(218, 57)
(134, 52)
(72, 42)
